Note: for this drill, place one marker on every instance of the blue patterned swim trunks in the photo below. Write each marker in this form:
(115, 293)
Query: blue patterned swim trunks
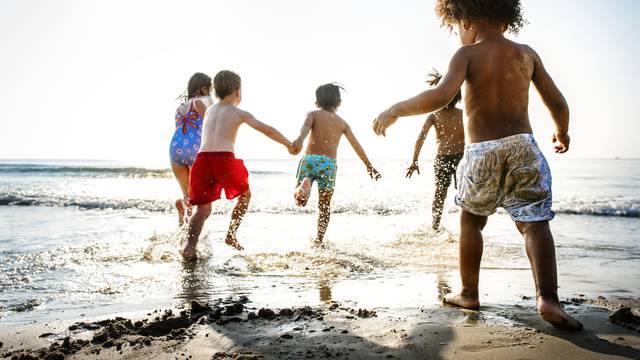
(318, 168)
(510, 173)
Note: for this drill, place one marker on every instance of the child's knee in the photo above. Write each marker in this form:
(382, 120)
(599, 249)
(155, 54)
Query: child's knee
(203, 210)
(247, 195)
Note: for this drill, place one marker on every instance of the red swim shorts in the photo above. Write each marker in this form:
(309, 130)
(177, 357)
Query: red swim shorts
(214, 171)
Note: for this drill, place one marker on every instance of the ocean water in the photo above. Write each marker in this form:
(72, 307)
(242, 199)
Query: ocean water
(90, 238)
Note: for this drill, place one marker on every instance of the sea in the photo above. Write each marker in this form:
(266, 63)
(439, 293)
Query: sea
(83, 239)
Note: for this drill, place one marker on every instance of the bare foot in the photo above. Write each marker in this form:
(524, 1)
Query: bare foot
(461, 301)
(181, 207)
(302, 193)
(189, 252)
(233, 242)
(554, 314)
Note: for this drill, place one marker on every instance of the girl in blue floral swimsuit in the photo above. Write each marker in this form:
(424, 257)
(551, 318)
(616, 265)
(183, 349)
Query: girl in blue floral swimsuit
(185, 143)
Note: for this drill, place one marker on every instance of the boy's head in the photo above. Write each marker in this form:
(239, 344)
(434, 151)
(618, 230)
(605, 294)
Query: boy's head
(227, 83)
(461, 14)
(433, 78)
(328, 97)
(199, 85)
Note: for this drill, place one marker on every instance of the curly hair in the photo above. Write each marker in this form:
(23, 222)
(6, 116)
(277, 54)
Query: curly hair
(433, 78)
(508, 12)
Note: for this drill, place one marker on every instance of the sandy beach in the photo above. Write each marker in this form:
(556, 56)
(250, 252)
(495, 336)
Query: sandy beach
(234, 329)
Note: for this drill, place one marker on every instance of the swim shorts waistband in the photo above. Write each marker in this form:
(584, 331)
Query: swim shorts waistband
(217, 153)
(500, 143)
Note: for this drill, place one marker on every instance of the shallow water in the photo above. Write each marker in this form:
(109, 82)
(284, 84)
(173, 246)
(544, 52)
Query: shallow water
(94, 238)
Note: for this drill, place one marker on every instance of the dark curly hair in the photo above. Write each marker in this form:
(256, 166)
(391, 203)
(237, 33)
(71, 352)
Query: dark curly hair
(508, 12)
(328, 96)
(433, 78)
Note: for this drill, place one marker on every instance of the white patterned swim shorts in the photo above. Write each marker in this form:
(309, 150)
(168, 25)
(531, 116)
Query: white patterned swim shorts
(510, 173)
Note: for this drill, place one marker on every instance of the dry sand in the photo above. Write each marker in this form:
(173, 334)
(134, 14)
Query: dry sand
(232, 329)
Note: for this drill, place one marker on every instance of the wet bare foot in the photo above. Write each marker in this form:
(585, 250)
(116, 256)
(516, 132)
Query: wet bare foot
(233, 242)
(461, 301)
(189, 252)
(554, 314)
(302, 193)
(181, 206)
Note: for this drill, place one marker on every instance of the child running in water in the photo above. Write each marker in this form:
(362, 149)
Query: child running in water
(216, 168)
(450, 139)
(185, 142)
(502, 165)
(319, 162)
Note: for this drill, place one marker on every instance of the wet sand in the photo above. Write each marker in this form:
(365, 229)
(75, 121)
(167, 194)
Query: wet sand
(234, 329)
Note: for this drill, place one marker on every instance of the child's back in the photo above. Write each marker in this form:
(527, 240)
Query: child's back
(326, 130)
(497, 88)
(220, 127)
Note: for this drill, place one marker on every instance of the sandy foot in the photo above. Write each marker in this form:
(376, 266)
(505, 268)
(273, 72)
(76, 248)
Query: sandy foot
(461, 301)
(556, 316)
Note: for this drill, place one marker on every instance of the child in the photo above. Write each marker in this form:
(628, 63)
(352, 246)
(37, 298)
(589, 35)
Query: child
(502, 165)
(216, 167)
(450, 139)
(186, 138)
(319, 162)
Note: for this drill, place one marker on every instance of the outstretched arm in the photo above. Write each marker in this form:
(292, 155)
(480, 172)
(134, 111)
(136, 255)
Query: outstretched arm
(416, 150)
(554, 101)
(361, 154)
(304, 131)
(430, 100)
(269, 131)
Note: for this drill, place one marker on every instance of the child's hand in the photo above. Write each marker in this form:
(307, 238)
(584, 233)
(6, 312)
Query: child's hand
(382, 122)
(292, 149)
(297, 145)
(412, 168)
(561, 141)
(373, 173)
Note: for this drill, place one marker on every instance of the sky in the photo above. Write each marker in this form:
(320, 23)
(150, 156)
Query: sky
(99, 79)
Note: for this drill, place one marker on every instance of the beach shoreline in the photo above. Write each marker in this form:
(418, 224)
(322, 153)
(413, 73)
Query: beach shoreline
(234, 329)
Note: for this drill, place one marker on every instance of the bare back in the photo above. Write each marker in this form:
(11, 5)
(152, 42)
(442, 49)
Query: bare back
(220, 127)
(497, 89)
(326, 131)
(449, 131)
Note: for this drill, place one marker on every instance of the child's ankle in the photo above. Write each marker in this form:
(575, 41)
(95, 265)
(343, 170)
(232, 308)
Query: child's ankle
(469, 293)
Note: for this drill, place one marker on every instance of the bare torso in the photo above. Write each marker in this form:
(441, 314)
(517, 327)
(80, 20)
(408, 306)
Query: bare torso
(220, 127)
(325, 134)
(497, 89)
(449, 131)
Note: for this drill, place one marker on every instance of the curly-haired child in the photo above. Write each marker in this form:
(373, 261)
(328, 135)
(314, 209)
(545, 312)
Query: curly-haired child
(502, 164)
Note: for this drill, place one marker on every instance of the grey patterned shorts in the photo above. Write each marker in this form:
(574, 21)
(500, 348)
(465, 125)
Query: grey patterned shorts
(510, 173)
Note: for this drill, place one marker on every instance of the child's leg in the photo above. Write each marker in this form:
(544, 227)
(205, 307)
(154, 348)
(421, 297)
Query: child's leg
(302, 192)
(181, 172)
(542, 256)
(195, 227)
(470, 256)
(236, 218)
(438, 201)
(324, 207)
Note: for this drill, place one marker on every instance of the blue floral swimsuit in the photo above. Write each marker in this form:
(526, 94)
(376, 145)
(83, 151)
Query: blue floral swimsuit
(186, 139)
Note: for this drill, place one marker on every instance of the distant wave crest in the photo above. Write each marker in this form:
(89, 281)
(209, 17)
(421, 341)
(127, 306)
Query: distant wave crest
(93, 171)
(617, 207)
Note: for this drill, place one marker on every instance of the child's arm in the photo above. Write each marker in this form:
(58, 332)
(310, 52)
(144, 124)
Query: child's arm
(200, 106)
(304, 131)
(416, 151)
(554, 101)
(373, 173)
(430, 100)
(269, 131)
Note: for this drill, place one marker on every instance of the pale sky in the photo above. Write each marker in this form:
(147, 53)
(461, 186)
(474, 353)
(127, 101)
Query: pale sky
(98, 79)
